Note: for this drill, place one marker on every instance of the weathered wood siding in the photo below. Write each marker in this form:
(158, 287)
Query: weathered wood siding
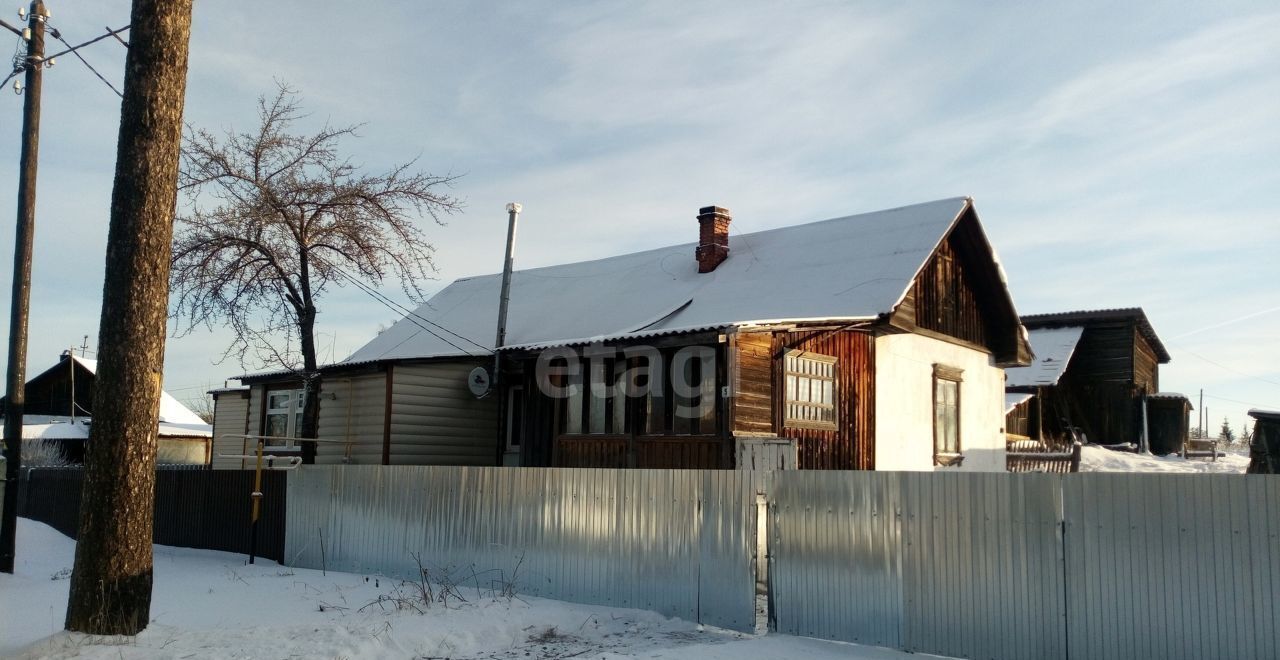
(230, 415)
(352, 409)
(945, 300)
(752, 369)
(435, 420)
(1105, 352)
(1146, 364)
(1170, 421)
(852, 445)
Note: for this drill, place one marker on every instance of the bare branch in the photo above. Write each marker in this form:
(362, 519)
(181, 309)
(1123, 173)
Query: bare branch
(272, 215)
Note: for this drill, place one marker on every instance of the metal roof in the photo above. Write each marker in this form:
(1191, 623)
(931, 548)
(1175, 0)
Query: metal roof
(851, 268)
(1053, 348)
(1084, 317)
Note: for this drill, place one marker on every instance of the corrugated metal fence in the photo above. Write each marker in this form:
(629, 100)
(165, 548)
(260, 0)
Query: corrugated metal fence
(993, 566)
(1006, 566)
(966, 565)
(206, 509)
(1173, 566)
(679, 542)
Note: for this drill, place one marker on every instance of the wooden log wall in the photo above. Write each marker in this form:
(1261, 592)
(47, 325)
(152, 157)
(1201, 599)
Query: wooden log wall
(852, 445)
(752, 400)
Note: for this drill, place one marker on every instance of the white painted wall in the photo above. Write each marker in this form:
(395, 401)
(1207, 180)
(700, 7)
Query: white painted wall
(904, 404)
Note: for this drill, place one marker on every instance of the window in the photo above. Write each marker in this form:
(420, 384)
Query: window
(668, 392)
(597, 404)
(811, 390)
(946, 415)
(284, 413)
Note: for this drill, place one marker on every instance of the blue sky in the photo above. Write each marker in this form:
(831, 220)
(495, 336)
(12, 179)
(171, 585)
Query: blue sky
(1118, 156)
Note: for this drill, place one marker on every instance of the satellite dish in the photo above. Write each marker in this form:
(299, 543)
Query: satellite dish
(478, 381)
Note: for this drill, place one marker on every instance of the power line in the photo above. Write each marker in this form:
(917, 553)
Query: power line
(412, 316)
(405, 311)
(1243, 403)
(1223, 366)
(58, 35)
(72, 49)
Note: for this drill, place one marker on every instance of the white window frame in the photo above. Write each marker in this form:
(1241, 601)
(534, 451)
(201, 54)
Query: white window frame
(293, 411)
(805, 406)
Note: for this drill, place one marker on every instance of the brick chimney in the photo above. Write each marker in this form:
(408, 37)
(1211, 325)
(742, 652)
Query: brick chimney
(713, 237)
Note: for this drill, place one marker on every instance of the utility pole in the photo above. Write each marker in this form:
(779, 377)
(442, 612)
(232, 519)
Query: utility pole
(22, 247)
(1200, 413)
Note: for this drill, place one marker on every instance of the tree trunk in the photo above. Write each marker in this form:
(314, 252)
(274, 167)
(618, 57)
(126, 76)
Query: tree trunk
(310, 383)
(111, 582)
(310, 364)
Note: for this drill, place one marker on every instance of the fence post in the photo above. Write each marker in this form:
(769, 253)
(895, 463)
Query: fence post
(1075, 456)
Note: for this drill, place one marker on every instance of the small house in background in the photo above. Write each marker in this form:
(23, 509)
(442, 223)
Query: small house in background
(1168, 423)
(873, 341)
(1264, 450)
(59, 409)
(1096, 377)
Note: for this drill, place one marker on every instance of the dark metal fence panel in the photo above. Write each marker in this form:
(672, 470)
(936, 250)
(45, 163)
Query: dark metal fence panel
(1173, 566)
(835, 551)
(623, 538)
(207, 509)
(983, 565)
(52, 496)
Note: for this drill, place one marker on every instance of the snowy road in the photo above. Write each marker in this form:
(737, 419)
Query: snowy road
(211, 605)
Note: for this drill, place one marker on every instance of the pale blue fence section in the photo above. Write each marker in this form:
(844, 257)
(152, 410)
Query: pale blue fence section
(1173, 566)
(983, 565)
(835, 555)
(992, 566)
(678, 542)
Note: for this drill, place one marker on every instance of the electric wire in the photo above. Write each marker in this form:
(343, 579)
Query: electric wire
(58, 35)
(411, 315)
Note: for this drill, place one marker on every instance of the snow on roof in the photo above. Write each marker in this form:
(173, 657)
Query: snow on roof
(62, 427)
(1012, 399)
(171, 410)
(844, 269)
(1258, 413)
(1053, 348)
(1087, 316)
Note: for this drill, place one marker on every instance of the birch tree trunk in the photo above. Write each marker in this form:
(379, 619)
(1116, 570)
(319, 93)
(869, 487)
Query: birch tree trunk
(111, 582)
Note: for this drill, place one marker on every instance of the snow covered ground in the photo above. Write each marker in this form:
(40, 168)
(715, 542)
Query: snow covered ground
(211, 605)
(1098, 459)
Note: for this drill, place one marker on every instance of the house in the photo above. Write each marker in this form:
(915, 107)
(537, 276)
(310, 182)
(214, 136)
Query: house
(59, 408)
(873, 341)
(1096, 374)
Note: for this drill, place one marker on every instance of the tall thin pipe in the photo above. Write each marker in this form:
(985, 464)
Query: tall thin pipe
(513, 214)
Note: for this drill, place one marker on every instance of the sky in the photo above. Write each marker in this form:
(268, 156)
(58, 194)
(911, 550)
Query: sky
(1118, 155)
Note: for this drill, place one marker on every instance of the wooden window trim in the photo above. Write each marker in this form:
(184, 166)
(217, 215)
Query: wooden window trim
(942, 372)
(791, 422)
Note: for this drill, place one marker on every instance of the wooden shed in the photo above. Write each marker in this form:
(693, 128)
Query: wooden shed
(1168, 422)
(1107, 368)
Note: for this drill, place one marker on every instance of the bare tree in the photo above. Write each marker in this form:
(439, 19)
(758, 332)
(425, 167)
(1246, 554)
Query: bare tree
(289, 217)
(111, 583)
